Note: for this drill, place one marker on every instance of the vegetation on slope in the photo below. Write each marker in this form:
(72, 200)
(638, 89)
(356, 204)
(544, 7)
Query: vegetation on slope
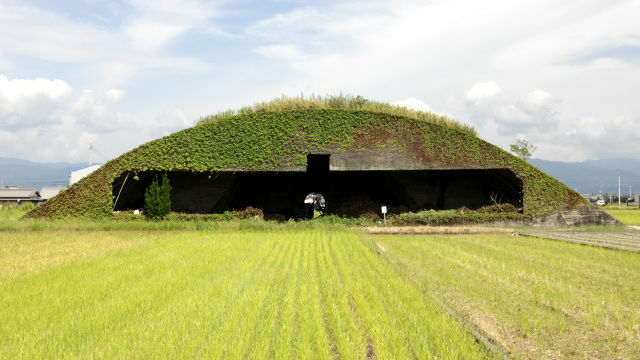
(340, 102)
(281, 139)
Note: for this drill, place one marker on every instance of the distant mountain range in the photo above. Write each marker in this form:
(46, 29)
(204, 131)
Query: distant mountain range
(591, 176)
(585, 177)
(32, 175)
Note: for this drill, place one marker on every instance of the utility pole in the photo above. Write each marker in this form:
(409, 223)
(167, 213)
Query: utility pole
(618, 190)
(600, 187)
(90, 153)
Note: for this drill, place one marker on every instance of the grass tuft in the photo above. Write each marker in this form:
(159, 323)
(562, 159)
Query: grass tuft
(342, 102)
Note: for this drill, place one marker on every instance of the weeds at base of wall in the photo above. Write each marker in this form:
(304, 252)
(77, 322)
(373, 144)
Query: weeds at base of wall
(451, 217)
(427, 217)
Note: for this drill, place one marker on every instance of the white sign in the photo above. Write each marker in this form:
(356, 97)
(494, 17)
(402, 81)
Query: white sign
(384, 209)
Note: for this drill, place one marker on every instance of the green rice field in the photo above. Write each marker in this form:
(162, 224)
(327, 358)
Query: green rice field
(629, 216)
(227, 295)
(302, 292)
(537, 298)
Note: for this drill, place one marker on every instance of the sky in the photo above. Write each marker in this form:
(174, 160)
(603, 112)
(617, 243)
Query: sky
(563, 75)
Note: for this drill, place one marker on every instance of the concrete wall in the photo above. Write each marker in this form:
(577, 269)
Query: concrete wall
(373, 160)
(583, 215)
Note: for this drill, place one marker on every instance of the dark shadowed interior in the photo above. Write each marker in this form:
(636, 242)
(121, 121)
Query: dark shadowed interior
(347, 193)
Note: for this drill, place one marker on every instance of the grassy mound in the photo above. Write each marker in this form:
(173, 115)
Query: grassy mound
(278, 140)
(340, 102)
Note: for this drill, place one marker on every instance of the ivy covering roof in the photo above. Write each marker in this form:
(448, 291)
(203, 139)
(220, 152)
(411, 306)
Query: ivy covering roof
(261, 140)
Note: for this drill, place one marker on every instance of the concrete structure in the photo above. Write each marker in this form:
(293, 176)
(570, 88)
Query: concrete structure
(353, 183)
(582, 215)
(76, 175)
(357, 160)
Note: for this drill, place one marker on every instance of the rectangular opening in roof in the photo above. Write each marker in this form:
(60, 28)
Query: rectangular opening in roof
(318, 163)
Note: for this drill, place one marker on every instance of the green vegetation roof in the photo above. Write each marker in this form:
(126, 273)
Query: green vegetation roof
(340, 102)
(278, 139)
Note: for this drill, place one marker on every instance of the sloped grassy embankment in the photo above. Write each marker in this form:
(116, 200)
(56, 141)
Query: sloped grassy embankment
(281, 139)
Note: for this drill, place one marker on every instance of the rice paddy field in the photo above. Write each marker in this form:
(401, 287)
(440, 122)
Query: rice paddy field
(309, 291)
(629, 216)
(537, 298)
(232, 294)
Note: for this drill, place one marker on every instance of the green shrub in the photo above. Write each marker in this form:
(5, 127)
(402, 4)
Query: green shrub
(451, 217)
(157, 199)
(27, 206)
(498, 208)
(248, 213)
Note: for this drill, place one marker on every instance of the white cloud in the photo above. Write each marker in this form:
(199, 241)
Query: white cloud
(98, 114)
(44, 120)
(536, 116)
(179, 11)
(160, 22)
(488, 104)
(136, 45)
(578, 28)
(555, 74)
(168, 119)
(413, 103)
(483, 92)
(25, 102)
(113, 96)
(149, 35)
(6, 64)
(283, 52)
(537, 99)
(588, 137)
(280, 25)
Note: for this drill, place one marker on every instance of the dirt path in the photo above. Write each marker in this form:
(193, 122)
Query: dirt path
(435, 230)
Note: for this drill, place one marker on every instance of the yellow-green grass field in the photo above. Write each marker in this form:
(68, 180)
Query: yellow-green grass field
(628, 215)
(295, 294)
(537, 298)
(260, 290)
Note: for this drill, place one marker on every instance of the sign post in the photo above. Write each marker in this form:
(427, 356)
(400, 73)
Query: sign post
(384, 215)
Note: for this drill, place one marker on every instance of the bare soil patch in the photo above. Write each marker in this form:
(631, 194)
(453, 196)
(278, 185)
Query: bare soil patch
(435, 230)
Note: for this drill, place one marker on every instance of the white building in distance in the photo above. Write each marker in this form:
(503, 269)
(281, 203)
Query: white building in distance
(76, 175)
(47, 193)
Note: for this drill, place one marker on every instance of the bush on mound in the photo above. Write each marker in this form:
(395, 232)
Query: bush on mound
(157, 199)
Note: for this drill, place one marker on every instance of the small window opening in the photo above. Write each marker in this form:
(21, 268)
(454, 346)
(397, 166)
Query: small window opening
(318, 163)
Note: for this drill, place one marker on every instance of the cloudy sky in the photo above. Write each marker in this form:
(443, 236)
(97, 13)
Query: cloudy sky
(565, 75)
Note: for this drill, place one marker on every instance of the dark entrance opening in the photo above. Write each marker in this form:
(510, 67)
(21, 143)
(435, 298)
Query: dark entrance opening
(318, 164)
(347, 193)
